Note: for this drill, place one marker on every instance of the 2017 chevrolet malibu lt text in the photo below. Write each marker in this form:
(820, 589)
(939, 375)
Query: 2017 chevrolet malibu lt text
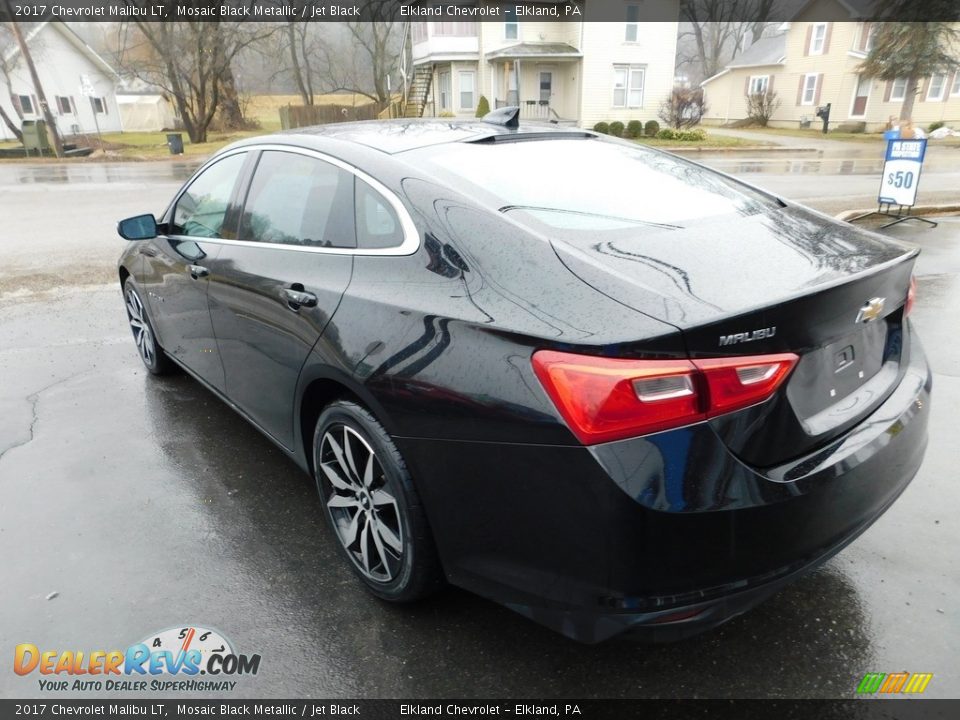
(607, 387)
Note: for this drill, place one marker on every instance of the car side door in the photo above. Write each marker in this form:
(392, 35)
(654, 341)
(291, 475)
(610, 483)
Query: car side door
(274, 289)
(177, 266)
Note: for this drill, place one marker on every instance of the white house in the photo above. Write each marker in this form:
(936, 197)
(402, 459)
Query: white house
(567, 71)
(64, 62)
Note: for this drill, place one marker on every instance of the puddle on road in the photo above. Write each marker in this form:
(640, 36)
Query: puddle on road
(57, 174)
(799, 166)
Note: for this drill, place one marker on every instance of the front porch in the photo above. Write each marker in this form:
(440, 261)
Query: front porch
(541, 78)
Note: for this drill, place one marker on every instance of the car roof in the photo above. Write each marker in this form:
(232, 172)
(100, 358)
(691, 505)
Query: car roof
(397, 136)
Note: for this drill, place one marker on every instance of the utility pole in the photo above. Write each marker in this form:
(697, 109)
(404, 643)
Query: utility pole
(25, 52)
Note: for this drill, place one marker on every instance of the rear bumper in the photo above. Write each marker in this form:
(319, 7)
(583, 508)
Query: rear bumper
(667, 535)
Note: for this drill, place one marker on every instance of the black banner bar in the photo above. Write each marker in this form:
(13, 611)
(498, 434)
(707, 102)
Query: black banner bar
(149, 709)
(474, 10)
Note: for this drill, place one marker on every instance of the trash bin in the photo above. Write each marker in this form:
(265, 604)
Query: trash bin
(35, 136)
(175, 143)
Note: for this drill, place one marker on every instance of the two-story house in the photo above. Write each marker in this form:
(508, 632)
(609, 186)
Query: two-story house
(813, 61)
(566, 71)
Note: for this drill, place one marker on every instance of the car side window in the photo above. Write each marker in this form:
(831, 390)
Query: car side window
(296, 199)
(378, 226)
(202, 207)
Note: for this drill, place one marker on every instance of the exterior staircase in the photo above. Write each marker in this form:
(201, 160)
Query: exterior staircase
(419, 91)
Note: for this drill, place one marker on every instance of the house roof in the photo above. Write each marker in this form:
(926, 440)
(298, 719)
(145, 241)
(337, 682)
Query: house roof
(764, 52)
(529, 49)
(72, 38)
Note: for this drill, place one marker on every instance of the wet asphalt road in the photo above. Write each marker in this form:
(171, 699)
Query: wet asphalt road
(146, 504)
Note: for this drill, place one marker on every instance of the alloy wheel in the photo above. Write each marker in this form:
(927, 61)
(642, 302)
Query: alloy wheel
(142, 333)
(365, 513)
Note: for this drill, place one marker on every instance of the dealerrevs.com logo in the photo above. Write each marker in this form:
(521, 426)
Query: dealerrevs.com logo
(170, 660)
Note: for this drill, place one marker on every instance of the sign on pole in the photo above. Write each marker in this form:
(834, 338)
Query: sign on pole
(901, 172)
(86, 87)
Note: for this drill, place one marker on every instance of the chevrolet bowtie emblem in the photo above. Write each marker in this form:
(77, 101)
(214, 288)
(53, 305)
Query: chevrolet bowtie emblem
(872, 310)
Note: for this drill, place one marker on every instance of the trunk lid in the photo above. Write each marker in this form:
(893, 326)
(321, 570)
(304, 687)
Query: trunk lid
(784, 280)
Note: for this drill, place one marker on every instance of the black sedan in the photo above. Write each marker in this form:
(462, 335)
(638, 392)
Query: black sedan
(607, 387)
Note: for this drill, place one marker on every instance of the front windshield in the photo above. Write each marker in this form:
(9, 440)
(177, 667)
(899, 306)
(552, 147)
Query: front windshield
(584, 184)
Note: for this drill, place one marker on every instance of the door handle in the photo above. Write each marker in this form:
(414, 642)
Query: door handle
(197, 271)
(298, 298)
(148, 251)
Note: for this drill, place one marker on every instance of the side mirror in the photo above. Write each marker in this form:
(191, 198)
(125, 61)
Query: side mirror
(140, 227)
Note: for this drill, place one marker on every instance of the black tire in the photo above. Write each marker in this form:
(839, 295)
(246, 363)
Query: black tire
(401, 558)
(153, 357)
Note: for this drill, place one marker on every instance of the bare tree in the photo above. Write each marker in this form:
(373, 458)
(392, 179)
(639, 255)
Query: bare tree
(370, 53)
(298, 45)
(713, 33)
(684, 108)
(6, 67)
(52, 129)
(761, 106)
(190, 60)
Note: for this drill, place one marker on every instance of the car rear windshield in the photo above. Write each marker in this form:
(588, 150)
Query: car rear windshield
(587, 184)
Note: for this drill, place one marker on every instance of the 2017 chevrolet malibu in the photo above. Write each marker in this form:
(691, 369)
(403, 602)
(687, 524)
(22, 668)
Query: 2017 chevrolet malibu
(605, 386)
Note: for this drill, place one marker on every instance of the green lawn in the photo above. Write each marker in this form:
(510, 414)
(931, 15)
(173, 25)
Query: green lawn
(817, 134)
(719, 142)
(153, 146)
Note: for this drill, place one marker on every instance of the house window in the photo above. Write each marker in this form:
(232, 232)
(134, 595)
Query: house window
(899, 90)
(817, 38)
(63, 105)
(444, 85)
(418, 32)
(758, 84)
(809, 89)
(100, 106)
(955, 89)
(511, 28)
(466, 90)
(870, 30)
(938, 83)
(633, 23)
(627, 86)
(455, 29)
(26, 106)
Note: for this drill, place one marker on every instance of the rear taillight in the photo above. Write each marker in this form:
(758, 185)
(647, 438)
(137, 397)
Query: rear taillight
(911, 296)
(604, 399)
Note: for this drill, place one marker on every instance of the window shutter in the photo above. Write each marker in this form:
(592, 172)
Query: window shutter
(806, 43)
(746, 86)
(924, 86)
(770, 85)
(949, 80)
(36, 107)
(106, 109)
(800, 89)
(73, 105)
(826, 38)
(887, 90)
(16, 104)
(819, 86)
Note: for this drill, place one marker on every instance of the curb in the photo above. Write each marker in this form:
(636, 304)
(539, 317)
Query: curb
(915, 210)
(741, 148)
